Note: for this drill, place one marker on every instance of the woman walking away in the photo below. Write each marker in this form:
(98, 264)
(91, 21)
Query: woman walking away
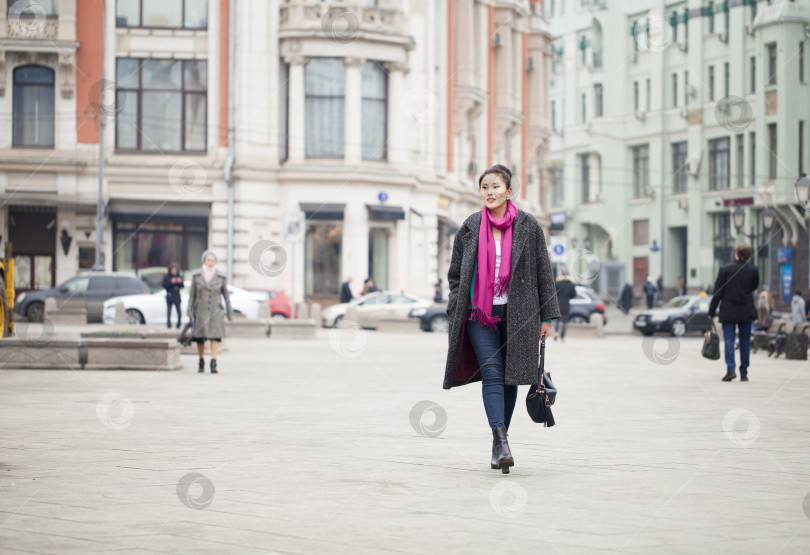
(797, 310)
(566, 290)
(208, 287)
(765, 304)
(173, 283)
(499, 255)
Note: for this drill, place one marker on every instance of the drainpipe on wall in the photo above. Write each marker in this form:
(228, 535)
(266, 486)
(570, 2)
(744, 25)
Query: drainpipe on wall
(229, 161)
(663, 144)
(98, 264)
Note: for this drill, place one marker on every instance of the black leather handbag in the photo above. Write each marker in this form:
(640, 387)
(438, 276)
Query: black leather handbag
(185, 334)
(711, 343)
(542, 395)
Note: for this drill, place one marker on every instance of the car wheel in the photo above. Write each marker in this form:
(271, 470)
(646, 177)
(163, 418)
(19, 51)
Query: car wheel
(337, 321)
(134, 316)
(577, 319)
(279, 316)
(678, 327)
(35, 312)
(439, 324)
(647, 333)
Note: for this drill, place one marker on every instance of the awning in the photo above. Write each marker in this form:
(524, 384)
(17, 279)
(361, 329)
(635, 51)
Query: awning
(323, 210)
(189, 213)
(45, 202)
(387, 213)
(451, 226)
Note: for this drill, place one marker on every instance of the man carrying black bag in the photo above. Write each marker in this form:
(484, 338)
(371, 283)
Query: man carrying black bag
(735, 286)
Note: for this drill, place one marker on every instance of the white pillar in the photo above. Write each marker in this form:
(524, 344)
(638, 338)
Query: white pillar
(353, 111)
(297, 113)
(396, 128)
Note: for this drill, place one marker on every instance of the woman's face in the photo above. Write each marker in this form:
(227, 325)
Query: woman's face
(210, 261)
(494, 193)
(173, 271)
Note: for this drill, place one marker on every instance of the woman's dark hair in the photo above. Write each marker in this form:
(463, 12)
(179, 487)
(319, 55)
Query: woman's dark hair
(501, 170)
(175, 266)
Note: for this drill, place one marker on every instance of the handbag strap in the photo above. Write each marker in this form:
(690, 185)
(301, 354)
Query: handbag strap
(541, 367)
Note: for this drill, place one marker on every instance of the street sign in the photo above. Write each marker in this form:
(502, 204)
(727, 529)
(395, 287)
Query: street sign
(559, 249)
(294, 226)
(383, 196)
(654, 247)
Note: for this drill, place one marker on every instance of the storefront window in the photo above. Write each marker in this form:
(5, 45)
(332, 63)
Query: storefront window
(143, 246)
(323, 273)
(378, 257)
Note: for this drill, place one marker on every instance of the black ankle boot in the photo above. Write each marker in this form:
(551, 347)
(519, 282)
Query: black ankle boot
(201, 367)
(500, 450)
(214, 366)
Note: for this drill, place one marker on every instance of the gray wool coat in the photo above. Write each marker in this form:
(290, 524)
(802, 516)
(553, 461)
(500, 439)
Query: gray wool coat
(532, 299)
(205, 306)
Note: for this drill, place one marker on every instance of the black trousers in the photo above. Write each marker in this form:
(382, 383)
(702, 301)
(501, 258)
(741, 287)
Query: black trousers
(169, 306)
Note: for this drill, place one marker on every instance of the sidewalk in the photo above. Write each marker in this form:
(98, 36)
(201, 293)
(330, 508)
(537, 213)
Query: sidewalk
(348, 444)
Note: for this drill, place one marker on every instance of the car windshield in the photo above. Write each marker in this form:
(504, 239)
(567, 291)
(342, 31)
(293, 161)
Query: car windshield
(677, 302)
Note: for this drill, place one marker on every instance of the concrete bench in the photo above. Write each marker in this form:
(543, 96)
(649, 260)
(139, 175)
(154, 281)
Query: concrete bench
(594, 328)
(141, 332)
(56, 354)
(132, 354)
(292, 329)
(248, 328)
(56, 314)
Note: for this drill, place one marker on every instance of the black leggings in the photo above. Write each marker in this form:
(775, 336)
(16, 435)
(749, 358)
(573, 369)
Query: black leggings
(169, 313)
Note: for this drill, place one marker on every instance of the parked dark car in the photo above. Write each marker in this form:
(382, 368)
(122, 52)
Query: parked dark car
(586, 303)
(88, 291)
(432, 318)
(678, 316)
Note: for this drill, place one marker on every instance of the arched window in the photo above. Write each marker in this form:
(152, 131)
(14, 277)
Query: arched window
(33, 107)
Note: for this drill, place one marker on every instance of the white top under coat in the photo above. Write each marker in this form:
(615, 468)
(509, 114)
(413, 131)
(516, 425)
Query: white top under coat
(502, 299)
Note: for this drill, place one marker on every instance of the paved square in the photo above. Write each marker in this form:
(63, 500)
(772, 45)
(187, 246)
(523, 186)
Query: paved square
(322, 446)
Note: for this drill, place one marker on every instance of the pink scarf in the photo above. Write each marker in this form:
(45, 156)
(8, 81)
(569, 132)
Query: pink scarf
(486, 287)
(208, 273)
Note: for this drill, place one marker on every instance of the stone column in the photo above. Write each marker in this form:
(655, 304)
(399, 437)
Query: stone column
(396, 126)
(353, 149)
(297, 109)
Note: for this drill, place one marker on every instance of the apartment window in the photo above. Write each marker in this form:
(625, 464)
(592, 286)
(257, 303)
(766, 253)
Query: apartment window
(172, 14)
(726, 78)
(740, 165)
(557, 192)
(686, 88)
(711, 17)
(22, 8)
(674, 90)
(801, 147)
(648, 95)
(679, 167)
(374, 111)
(585, 174)
(553, 115)
(325, 85)
(597, 100)
(771, 63)
(772, 158)
(33, 107)
(584, 102)
(641, 169)
(752, 63)
(161, 105)
(673, 21)
(801, 62)
(711, 82)
(753, 11)
(641, 232)
(719, 164)
(635, 96)
(752, 158)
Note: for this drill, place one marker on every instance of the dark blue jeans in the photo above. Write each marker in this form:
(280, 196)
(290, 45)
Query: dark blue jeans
(490, 350)
(744, 329)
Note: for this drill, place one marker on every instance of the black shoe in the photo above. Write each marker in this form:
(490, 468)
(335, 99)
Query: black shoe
(201, 367)
(214, 366)
(178, 325)
(169, 325)
(503, 456)
(744, 379)
(494, 463)
(730, 376)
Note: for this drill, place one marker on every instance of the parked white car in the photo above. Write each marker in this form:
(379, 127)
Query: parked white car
(380, 305)
(151, 309)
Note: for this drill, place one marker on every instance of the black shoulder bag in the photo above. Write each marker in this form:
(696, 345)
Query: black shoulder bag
(542, 395)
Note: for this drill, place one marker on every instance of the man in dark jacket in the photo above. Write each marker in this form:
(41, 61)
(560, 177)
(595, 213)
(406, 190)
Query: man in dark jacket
(346, 291)
(649, 292)
(735, 286)
(566, 290)
(626, 299)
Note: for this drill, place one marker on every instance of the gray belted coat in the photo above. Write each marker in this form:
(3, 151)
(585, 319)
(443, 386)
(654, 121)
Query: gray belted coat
(205, 306)
(532, 299)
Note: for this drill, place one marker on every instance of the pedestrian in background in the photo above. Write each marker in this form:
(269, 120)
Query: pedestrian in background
(208, 288)
(660, 289)
(346, 291)
(798, 312)
(734, 291)
(369, 287)
(173, 283)
(566, 290)
(649, 292)
(489, 342)
(681, 285)
(765, 304)
(437, 295)
(626, 299)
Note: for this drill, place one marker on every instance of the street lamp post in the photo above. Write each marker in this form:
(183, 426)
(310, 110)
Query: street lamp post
(803, 190)
(755, 238)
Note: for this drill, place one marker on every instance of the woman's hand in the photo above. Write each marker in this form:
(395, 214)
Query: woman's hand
(545, 330)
